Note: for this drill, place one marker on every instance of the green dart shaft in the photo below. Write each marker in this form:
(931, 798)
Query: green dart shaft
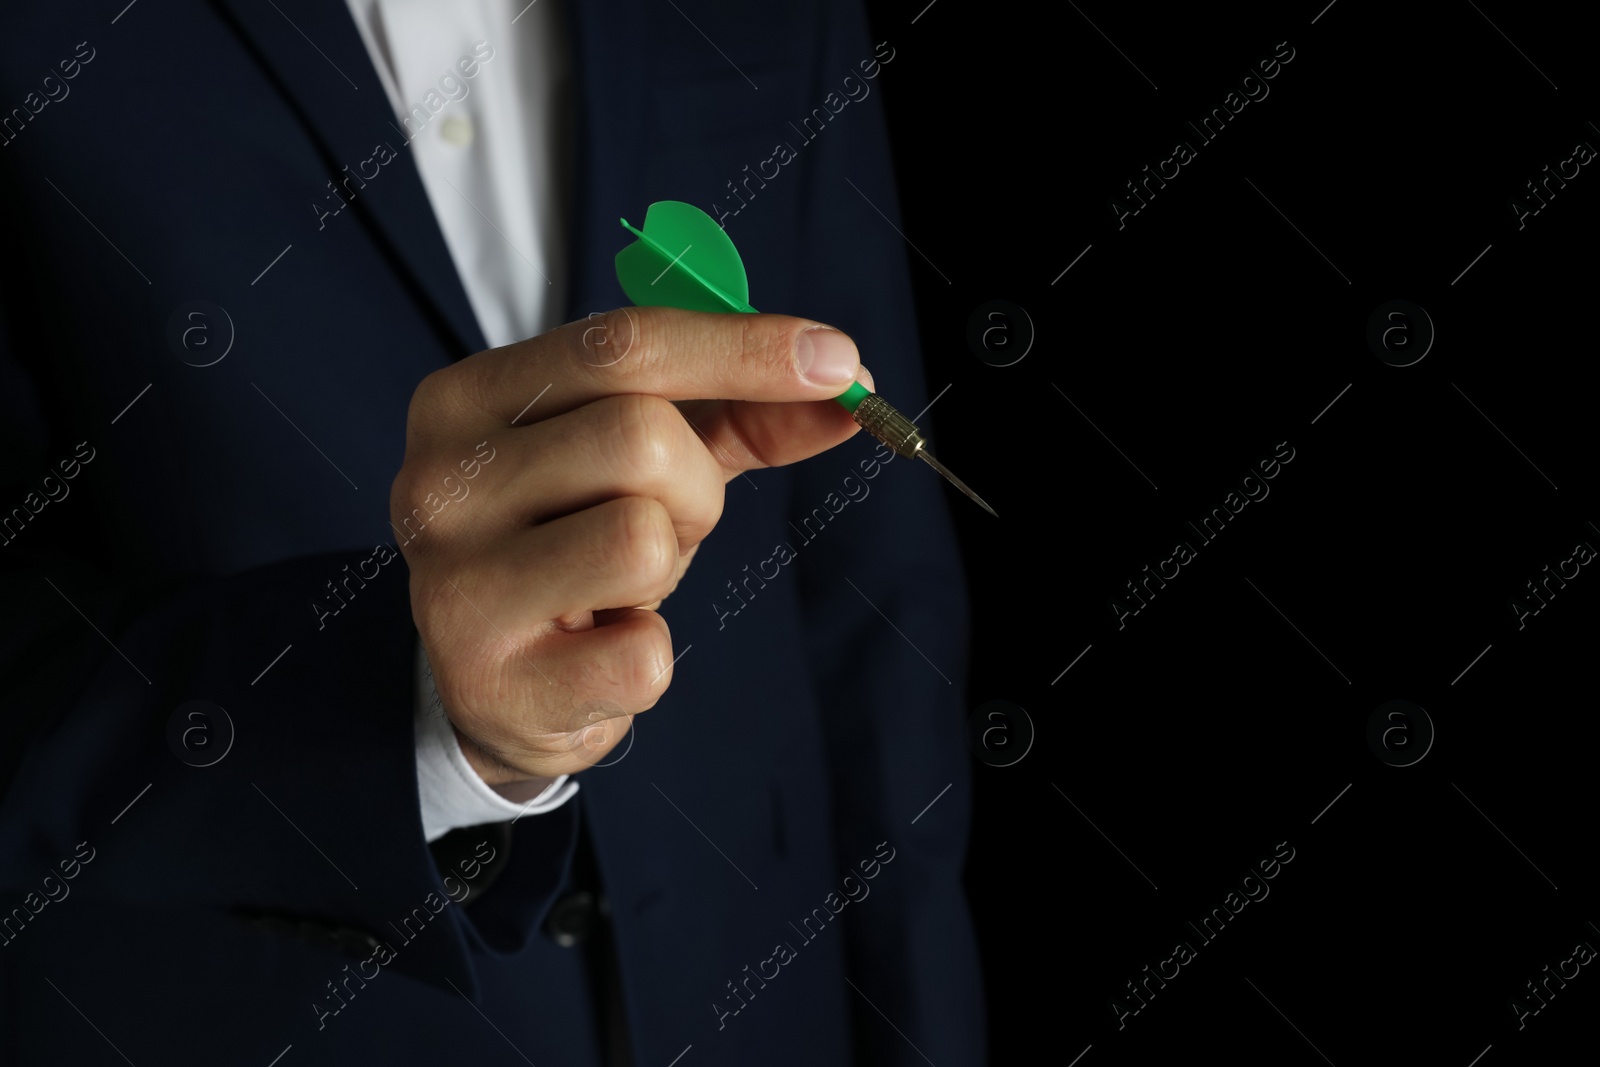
(852, 397)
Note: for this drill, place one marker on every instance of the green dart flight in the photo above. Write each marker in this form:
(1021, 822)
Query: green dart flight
(683, 259)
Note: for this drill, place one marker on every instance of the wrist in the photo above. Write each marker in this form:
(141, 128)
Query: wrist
(507, 781)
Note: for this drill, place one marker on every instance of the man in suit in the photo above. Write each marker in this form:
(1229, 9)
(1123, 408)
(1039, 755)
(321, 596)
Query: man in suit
(230, 828)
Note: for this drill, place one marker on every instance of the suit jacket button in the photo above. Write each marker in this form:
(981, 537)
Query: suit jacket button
(571, 918)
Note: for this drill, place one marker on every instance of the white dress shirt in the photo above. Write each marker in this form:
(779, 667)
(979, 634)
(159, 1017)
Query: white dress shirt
(481, 90)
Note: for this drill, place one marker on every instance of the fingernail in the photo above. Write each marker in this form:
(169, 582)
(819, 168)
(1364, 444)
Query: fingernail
(826, 356)
(864, 376)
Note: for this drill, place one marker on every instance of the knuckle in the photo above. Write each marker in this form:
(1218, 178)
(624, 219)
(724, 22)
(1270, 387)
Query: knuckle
(400, 491)
(646, 433)
(765, 349)
(405, 511)
(612, 337)
(738, 349)
(453, 397)
(708, 509)
(428, 399)
(415, 502)
(645, 546)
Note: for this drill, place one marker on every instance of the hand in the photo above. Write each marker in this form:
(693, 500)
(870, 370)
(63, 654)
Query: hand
(541, 543)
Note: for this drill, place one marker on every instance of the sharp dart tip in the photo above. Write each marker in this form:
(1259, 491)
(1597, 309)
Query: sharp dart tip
(957, 482)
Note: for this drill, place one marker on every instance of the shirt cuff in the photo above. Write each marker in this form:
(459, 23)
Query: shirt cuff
(451, 792)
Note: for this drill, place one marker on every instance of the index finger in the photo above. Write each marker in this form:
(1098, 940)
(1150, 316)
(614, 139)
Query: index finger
(668, 352)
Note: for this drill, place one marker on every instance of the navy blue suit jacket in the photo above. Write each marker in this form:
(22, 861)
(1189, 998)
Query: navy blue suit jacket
(768, 800)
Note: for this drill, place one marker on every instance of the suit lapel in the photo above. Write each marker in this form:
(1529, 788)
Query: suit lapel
(347, 123)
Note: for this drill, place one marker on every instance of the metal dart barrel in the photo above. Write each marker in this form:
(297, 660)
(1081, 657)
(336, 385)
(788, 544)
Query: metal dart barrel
(879, 418)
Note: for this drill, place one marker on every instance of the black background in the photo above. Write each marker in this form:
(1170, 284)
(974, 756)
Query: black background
(1227, 715)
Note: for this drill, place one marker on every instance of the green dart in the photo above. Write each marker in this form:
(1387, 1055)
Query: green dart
(683, 259)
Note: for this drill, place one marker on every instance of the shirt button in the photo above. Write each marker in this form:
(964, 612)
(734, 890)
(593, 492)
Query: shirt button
(571, 919)
(457, 130)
